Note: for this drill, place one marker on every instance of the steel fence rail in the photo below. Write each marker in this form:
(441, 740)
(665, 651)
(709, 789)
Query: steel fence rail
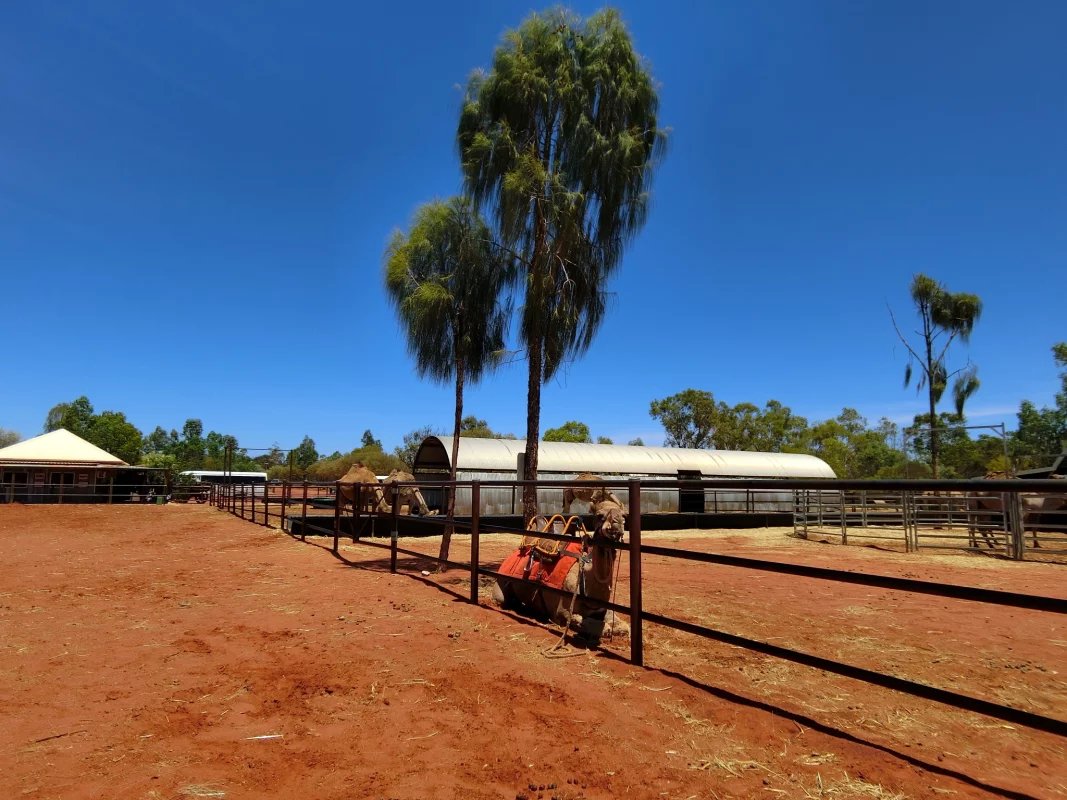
(919, 505)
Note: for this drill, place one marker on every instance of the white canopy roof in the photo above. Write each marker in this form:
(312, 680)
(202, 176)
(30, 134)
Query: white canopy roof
(501, 455)
(58, 447)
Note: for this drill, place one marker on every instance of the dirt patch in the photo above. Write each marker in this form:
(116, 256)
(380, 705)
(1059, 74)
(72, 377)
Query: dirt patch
(175, 651)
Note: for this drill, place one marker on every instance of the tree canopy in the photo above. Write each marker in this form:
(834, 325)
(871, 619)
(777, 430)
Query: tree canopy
(944, 316)
(558, 141)
(572, 431)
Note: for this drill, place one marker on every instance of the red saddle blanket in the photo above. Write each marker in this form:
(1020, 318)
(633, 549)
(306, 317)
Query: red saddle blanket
(550, 571)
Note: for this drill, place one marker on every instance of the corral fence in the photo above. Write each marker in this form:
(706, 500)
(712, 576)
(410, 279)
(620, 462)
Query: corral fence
(60, 493)
(915, 510)
(269, 504)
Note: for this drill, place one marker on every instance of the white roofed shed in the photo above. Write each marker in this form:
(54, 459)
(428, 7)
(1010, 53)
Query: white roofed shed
(498, 459)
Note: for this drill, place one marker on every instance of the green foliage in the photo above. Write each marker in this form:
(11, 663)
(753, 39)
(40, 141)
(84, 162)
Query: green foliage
(638, 442)
(689, 418)
(280, 472)
(479, 429)
(693, 418)
(304, 455)
(160, 441)
(406, 452)
(109, 430)
(572, 431)
(372, 456)
(76, 417)
(847, 443)
(604, 440)
(558, 141)
(852, 449)
(8, 438)
(368, 440)
(446, 279)
(961, 455)
(1042, 433)
(944, 317)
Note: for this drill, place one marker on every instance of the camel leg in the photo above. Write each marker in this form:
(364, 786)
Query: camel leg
(496, 594)
(423, 507)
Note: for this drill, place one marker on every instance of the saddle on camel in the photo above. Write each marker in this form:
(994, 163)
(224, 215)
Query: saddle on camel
(567, 581)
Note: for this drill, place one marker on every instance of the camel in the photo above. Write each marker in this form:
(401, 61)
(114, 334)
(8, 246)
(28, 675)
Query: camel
(553, 574)
(589, 494)
(989, 507)
(409, 495)
(373, 499)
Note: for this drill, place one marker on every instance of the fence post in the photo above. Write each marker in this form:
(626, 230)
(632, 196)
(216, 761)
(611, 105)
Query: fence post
(637, 646)
(357, 511)
(1013, 512)
(907, 517)
(287, 493)
(336, 512)
(110, 487)
(304, 514)
(844, 524)
(394, 535)
(476, 500)
(266, 504)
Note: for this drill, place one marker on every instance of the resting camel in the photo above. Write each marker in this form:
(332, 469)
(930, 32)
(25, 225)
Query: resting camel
(376, 498)
(373, 499)
(409, 495)
(589, 494)
(553, 579)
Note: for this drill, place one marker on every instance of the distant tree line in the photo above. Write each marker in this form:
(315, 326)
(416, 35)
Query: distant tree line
(692, 418)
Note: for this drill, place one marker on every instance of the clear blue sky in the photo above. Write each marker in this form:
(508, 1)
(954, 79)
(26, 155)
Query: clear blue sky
(194, 200)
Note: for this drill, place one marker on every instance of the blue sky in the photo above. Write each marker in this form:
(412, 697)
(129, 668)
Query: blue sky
(194, 200)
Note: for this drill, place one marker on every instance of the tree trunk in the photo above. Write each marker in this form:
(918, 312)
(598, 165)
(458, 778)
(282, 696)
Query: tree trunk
(533, 430)
(934, 443)
(446, 538)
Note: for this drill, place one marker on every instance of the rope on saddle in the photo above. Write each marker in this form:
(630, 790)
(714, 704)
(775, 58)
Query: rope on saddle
(560, 649)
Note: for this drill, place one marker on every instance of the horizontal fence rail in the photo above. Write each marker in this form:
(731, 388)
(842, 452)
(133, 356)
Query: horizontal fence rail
(915, 512)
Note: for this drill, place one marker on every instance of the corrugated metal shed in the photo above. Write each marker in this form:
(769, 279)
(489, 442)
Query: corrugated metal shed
(501, 455)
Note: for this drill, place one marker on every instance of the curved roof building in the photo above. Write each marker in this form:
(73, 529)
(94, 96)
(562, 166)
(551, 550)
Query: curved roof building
(498, 459)
(501, 456)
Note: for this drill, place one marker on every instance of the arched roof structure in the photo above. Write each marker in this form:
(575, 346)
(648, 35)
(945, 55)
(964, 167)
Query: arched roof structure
(501, 455)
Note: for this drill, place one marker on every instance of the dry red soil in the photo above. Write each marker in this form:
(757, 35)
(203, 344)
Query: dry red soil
(177, 652)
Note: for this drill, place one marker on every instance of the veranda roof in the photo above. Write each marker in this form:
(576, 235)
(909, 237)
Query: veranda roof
(58, 447)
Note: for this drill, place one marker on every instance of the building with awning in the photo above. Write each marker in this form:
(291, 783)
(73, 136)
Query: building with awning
(61, 467)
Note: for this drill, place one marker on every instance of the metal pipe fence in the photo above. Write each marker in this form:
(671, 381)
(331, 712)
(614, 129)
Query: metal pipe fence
(907, 512)
(60, 493)
(990, 518)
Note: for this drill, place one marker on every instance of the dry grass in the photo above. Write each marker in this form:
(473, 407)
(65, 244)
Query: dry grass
(196, 790)
(845, 788)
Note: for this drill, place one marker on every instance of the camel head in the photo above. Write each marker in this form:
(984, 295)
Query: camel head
(610, 520)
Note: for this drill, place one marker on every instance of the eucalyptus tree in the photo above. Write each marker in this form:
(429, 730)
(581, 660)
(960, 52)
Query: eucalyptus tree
(944, 317)
(446, 279)
(558, 140)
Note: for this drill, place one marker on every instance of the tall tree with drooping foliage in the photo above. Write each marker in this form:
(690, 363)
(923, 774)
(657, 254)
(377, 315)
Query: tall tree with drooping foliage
(558, 141)
(944, 317)
(446, 279)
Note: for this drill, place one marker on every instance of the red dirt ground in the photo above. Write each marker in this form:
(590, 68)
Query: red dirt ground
(176, 652)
